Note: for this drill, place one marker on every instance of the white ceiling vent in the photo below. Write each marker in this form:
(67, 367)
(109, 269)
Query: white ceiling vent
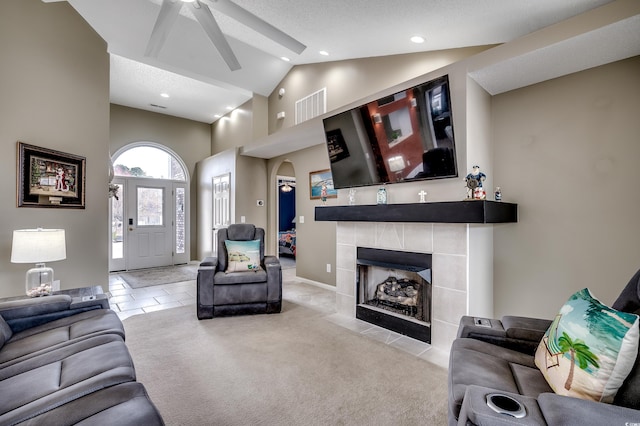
(311, 106)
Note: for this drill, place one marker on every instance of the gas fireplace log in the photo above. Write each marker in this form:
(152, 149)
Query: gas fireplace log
(401, 291)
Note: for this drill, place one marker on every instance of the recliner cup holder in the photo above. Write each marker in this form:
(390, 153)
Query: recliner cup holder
(504, 404)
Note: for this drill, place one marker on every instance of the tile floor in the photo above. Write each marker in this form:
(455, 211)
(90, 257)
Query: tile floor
(127, 301)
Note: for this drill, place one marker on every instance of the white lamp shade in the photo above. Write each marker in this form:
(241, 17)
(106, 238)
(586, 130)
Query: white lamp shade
(38, 245)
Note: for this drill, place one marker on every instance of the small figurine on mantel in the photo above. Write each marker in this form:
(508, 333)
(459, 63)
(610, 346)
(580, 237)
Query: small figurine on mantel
(498, 194)
(323, 194)
(423, 196)
(352, 197)
(474, 181)
(381, 196)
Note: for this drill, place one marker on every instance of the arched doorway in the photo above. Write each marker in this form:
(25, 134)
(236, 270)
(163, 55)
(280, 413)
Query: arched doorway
(149, 208)
(286, 212)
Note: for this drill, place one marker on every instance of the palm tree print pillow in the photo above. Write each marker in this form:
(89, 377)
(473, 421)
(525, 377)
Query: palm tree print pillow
(243, 256)
(589, 349)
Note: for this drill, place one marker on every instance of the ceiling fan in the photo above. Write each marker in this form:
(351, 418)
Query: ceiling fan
(170, 10)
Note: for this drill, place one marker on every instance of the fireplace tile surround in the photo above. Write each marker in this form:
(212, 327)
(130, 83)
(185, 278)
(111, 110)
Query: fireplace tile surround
(458, 235)
(446, 242)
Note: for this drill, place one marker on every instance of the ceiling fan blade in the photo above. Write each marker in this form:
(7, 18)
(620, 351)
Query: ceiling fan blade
(166, 18)
(207, 21)
(247, 18)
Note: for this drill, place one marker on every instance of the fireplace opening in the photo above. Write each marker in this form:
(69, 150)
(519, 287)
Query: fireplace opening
(394, 291)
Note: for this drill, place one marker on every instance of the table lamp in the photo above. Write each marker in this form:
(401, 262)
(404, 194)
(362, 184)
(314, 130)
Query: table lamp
(38, 246)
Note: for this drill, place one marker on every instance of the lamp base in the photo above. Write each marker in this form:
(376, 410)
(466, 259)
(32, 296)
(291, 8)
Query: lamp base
(39, 281)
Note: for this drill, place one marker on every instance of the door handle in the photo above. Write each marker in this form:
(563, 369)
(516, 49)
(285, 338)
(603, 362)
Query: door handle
(131, 228)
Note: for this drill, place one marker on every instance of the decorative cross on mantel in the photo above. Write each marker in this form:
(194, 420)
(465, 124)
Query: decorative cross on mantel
(423, 196)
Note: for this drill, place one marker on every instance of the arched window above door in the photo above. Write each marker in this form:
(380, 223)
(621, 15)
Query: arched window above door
(149, 161)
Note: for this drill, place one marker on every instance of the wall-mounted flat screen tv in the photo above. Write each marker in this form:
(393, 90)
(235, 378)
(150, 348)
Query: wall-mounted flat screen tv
(404, 137)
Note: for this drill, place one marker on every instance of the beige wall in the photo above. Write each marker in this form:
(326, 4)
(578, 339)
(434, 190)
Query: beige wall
(241, 126)
(248, 175)
(251, 186)
(349, 83)
(579, 128)
(315, 241)
(248, 184)
(190, 140)
(567, 152)
(54, 80)
(286, 169)
(353, 80)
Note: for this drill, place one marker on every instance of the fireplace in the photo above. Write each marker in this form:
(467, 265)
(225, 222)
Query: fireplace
(394, 291)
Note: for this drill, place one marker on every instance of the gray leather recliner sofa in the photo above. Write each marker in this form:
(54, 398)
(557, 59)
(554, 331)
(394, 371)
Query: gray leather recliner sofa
(497, 356)
(64, 363)
(220, 293)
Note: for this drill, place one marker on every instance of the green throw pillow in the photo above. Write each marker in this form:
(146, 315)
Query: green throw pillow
(243, 255)
(589, 349)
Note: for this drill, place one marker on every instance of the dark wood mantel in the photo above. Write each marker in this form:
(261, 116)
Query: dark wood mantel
(442, 212)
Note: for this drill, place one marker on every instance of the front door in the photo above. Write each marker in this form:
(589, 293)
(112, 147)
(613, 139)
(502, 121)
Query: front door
(148, 224)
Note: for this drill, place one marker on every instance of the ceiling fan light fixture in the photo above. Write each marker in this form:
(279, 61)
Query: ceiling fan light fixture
(285, 187)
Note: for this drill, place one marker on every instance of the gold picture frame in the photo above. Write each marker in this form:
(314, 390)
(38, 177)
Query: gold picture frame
(50, 178)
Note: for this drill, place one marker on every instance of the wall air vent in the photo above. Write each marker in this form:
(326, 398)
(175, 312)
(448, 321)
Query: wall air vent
(311, 106)
(158, 106)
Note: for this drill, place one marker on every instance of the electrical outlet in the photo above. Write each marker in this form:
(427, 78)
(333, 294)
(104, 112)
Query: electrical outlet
(328, 267)
(301, 219)
(243, 219)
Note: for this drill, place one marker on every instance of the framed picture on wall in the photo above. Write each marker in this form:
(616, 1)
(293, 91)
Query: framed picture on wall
(49, 178)
(320, 180)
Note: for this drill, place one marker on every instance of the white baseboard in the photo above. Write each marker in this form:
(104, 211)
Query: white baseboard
(316, 283)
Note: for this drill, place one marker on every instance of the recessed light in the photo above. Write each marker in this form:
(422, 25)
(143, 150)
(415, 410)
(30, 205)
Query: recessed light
(188, 1)
(417, 39)
(324, 53)
(284, 58)
(217, 116)
(229, 108)
(164, 95)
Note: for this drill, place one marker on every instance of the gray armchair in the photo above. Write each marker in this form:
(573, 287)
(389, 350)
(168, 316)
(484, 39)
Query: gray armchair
(222, 292)
(496, 356)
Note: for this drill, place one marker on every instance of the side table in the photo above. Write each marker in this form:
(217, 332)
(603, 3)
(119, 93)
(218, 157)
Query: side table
(81, 297)
(86, 296)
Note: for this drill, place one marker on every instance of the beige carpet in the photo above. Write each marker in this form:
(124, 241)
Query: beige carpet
(293, 368)
(157, 276)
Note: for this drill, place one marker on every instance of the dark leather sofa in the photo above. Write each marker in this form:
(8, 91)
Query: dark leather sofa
(64, 362)
(497, 356)
(220, 293)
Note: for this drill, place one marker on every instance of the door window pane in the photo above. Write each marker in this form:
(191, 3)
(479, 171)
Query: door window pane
(150, 204)
(117, 226)
(180, 220)
(148, 162)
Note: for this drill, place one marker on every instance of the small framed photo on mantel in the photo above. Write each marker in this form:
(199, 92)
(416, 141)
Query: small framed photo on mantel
(49, 178)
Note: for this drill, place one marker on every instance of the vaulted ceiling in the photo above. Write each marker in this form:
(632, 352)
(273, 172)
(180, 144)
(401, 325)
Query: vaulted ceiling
(190, 70)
